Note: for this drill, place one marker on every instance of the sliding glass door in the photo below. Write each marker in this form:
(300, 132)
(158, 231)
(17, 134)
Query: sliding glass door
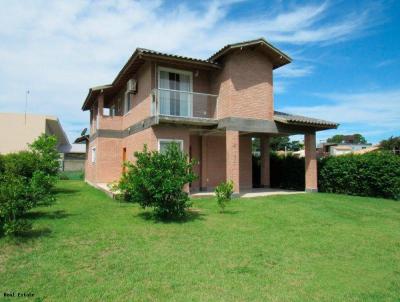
(175, 92)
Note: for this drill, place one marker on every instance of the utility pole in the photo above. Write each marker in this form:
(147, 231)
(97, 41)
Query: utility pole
(26, 103)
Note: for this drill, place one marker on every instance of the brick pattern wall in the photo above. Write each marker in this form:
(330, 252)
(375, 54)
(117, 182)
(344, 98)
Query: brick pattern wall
(311, 162)
(141, 102)
(232, 158)
(245, 79)
(90, 169)
(213, 161)
(244, 87)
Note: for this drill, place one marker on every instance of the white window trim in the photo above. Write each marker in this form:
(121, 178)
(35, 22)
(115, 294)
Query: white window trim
(94, 155)
(180, 141)
(179, 71)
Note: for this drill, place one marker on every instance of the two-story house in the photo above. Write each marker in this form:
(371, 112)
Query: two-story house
(212, 108)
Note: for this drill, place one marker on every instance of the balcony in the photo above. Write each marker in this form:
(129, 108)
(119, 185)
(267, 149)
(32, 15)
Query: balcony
(184, 105)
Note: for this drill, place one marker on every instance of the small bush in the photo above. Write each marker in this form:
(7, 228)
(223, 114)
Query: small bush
(27, 179)
(157, 179)
(224, 192)
(375, 174)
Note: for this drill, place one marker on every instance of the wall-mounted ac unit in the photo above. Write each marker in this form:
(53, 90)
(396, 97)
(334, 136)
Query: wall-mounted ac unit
(131, 86)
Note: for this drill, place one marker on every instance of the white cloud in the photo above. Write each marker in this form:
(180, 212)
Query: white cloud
(385, 63)
(58, 49)
(373, 112)
(291, 71)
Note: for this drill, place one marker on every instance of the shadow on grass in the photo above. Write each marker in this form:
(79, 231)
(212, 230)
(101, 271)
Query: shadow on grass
(59, 214)
(34, 233)
(191, 215)
(228, 212)
(28, 235)
(64, 191)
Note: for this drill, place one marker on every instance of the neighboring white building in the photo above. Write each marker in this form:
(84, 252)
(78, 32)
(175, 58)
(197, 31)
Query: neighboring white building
(341, 149)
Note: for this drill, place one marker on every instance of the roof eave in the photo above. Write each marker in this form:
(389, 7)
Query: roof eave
(86, 103)
(320, 126)
(229, 47)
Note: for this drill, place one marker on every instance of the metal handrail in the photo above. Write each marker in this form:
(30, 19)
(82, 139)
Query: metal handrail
(184, 91)
(156, 101)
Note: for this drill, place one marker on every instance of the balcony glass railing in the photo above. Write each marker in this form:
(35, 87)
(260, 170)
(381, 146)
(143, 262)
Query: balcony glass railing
(184, 103)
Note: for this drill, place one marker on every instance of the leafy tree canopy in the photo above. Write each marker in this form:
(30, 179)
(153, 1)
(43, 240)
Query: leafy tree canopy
(392, 143)
(354, 139)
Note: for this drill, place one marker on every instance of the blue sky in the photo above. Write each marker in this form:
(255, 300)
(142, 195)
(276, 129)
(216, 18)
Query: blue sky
(346, 54)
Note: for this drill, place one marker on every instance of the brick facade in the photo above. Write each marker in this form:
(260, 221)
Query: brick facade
(243, 83)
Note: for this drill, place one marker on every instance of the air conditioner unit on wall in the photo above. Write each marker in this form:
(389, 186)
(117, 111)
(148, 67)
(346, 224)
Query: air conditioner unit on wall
(131, 86)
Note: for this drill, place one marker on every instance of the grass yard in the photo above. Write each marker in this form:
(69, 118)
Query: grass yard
(305, 247)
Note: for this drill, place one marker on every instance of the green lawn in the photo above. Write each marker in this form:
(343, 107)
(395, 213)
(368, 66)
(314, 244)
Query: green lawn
(320, 247)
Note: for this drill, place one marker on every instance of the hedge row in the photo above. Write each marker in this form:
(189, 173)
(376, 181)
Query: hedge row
(372, 174)
(287, 172)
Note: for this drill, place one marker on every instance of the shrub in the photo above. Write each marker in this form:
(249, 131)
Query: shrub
(287, 172)
(157, 179)
(27, 179)
(374, 174)
(224, 192)
(14, 202)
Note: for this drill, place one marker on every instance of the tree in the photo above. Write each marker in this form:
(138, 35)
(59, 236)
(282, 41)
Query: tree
(279, 143)
(340, 138)
(27, 179)
(295, 146)
(359, 139)
(392, 144)
(156, 180)
(336, 139)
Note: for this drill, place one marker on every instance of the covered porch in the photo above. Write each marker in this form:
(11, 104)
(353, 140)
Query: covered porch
(224, 153)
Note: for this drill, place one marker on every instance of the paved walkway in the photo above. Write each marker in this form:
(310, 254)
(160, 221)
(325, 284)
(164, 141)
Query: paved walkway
(255, 192)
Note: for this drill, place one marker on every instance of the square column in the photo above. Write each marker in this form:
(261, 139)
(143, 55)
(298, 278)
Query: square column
(203, 164)
(311, 162)
(265, 162)
(232, 158)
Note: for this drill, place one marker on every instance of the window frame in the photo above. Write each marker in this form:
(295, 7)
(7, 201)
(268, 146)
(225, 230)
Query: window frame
(127, 99)
(94, 155)
(170, 140)
(178, 71)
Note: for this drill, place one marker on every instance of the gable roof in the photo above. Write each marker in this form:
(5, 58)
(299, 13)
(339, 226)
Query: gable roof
(278, 57)
(138, 57)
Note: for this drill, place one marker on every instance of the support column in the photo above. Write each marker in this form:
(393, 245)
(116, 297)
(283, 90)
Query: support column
(311, 162)
(100, 106)
(203, 163)
(265, 162)
(232, 158)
